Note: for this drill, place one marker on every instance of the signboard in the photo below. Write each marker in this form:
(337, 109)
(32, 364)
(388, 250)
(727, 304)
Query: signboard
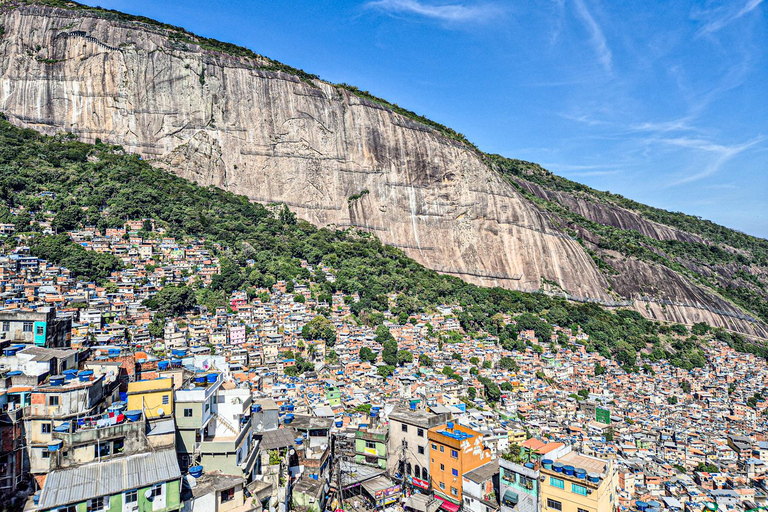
(371, 451)
(602, 415)
(423, 484)
(387, 496)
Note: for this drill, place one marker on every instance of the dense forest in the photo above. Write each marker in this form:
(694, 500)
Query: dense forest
(72, 185)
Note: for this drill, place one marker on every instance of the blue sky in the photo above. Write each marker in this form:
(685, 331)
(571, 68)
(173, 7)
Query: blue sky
(662, 102)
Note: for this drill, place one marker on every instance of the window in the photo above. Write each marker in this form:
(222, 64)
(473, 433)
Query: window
(526, 482)
(421, 450)
(454, 491)
(417, 471)
(583, 510)
(53, 400)
(95, 504)
(434, 446)
(166, 399)
(157, 490)
(442, 448)
(420, 432)
(227, 495)
(554, 504)
(131, 497)
(46, 428)
(442, 485)
(6, 326)
(370, 444)
(187, 413)
(40, 330)
(556, 482)
(404, 427)
(579, 489)
(455, 472)
(27, 327)
(454, 454)
(46, 454)
(68, 508)
(442, 467)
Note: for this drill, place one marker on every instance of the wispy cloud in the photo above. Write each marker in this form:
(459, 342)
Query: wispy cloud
(721, 155)
(597, 37)
(718, 19)
(455, 13)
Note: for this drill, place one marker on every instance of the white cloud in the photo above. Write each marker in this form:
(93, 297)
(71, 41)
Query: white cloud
(597, 37)
(721, 155)
(718, 20)
(456, 13)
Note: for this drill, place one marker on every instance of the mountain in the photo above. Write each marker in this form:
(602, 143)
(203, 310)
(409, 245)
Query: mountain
(222, 115)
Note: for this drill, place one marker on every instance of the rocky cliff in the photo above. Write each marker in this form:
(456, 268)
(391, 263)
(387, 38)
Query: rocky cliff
(334, 157)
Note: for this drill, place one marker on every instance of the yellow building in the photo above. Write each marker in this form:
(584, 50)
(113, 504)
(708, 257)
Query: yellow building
(517, 436)
(578, 483)
(153, 397)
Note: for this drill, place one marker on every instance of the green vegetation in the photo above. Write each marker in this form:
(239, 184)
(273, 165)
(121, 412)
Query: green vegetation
(425, 360)
(172, 301)
(266, 245)
(701, 467)
(366, 354)
(319, 328)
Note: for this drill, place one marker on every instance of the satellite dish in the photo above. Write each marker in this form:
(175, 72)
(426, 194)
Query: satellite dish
(161, 412)
(148, 494)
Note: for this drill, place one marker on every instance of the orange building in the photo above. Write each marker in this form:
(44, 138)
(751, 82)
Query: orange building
(453, 451)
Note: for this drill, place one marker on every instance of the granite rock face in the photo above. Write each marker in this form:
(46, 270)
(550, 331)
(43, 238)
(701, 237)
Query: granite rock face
(333, 157)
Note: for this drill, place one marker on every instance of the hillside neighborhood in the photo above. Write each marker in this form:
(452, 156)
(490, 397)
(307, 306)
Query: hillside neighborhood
(280, 399)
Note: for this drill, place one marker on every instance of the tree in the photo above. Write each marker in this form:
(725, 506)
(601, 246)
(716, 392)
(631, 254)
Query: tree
(474, 360)
(507, 386)
(492, 391)
(700, 328)
(514, 454)
(386, 370)
(229, 278)
(366, 354)
(389, 353)
(507, 363)
(425, 360)
(599, 369)
(487, 364)
(299, 299)
(456, 356)
(172, 300)
(686, 386)
(319, 328)
(404, 357)
(383, 334)
(609, 434)
(702, 467)
(672, 400)
(583, 393)
(472, 393)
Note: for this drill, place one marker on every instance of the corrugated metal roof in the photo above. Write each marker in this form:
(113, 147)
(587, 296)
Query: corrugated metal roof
(75, 485)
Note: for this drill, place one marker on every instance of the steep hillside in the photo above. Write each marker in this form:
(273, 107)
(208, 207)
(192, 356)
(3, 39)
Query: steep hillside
(68, 185)
(222, 115)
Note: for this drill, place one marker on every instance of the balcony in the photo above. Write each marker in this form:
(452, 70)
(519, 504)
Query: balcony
(91, 435)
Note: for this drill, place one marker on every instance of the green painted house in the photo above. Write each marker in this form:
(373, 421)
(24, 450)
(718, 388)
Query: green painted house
(371, 447)
(333, 395)
(148, 482)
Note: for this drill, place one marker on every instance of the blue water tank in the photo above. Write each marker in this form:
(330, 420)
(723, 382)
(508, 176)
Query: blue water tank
(547, 463)
(449, 425)
(212, 377)
(57, 380)
(568, 470)
(163, 365)
(196, 471)
(85, 375)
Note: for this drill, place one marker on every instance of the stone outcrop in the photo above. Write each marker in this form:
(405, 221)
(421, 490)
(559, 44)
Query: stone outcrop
(333, 157)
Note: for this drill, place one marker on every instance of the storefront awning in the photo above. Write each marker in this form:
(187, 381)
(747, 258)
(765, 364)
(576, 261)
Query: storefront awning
(448, 505)
(510, 498)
